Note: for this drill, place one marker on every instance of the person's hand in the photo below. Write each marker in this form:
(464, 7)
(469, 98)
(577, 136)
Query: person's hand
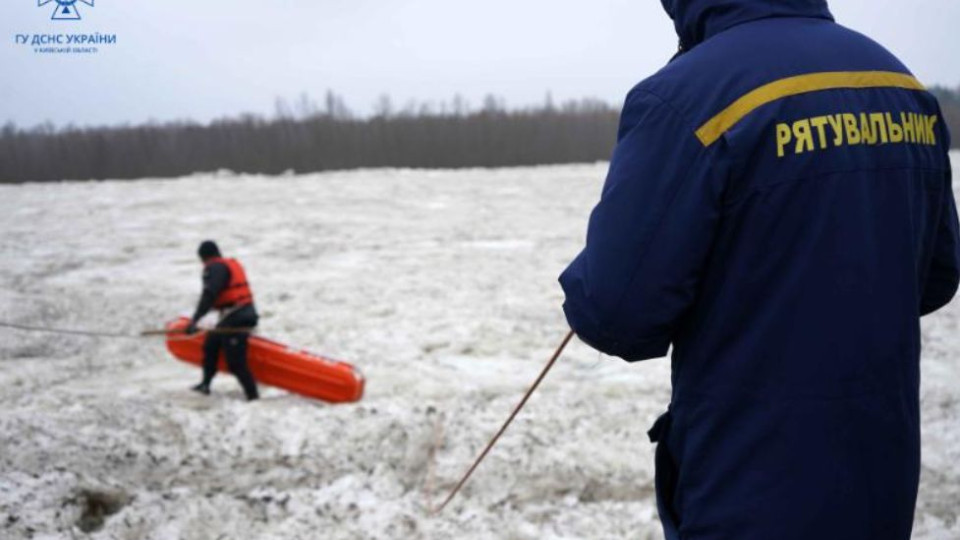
(191, 329)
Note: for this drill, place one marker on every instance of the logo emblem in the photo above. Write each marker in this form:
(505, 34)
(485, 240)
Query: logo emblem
(66, 10)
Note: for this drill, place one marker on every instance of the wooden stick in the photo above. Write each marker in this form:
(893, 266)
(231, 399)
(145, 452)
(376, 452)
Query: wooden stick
(215, 331)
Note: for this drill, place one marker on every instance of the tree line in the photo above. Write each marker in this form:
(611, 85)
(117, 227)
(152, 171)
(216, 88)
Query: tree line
(304, 137)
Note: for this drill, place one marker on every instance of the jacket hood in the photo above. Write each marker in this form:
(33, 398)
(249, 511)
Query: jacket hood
(697, 20)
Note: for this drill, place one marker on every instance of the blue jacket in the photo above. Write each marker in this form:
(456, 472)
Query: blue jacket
(778, 209)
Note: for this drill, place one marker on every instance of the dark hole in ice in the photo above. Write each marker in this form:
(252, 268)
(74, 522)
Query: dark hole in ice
(96, 506)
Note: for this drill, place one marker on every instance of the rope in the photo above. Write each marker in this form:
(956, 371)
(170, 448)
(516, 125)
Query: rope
(144, 334)
(48, 330)
(437, 433)
(506, 424)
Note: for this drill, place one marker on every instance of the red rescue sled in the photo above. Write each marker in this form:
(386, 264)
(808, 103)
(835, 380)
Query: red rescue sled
(277, 365)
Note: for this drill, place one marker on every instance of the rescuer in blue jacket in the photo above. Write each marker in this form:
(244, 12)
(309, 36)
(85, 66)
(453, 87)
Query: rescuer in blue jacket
(778, 209)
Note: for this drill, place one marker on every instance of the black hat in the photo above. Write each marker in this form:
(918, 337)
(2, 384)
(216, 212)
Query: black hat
(208, 249)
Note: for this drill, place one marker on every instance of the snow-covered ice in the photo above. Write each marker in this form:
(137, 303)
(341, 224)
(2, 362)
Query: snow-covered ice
(439, 285)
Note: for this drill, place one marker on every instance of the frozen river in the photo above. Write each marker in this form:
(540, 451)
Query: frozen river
(439, 285)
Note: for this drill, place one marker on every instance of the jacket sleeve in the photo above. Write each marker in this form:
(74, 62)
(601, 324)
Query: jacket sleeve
(648, 237)
(215, 278)
(944, 274)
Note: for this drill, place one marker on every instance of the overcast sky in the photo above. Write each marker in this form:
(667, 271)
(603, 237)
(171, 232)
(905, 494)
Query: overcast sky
(180, 59)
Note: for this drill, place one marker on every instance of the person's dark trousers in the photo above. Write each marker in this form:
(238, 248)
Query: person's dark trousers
(235, 349)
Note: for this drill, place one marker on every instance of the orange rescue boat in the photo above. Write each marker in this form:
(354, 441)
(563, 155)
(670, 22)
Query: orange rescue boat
(274, 364)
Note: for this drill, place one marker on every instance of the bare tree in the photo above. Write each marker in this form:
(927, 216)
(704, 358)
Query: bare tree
(383, 107)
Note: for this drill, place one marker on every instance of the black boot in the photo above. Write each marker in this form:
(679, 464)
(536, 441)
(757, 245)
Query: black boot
(203, 388)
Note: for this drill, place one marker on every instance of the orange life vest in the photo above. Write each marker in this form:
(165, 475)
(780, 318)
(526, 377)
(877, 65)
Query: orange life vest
(237, 292)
